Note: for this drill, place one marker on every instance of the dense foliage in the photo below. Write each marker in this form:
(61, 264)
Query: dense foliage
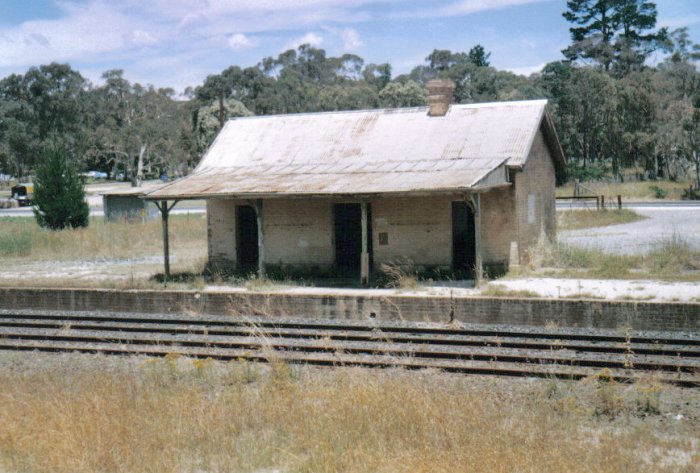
(616, 113)
(59, 197)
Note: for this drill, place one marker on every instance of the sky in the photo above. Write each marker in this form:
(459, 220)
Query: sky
(177, 43)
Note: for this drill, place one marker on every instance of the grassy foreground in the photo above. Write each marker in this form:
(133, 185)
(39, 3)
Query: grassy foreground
(80, 413)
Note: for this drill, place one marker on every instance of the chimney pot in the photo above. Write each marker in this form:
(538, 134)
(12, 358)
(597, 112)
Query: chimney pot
(439, 96)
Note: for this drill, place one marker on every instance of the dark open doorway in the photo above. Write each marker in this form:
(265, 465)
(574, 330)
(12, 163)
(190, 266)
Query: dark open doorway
(246, 238)
(463, 240)
(347, 220)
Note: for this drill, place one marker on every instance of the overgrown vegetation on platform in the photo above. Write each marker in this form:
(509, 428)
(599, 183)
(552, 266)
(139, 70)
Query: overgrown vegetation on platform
(80, 413)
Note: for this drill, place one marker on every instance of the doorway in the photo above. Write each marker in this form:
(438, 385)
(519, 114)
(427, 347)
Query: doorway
(463, 240)
(347, 220)
(246, 238)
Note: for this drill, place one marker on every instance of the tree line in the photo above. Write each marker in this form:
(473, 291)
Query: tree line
(617, 113)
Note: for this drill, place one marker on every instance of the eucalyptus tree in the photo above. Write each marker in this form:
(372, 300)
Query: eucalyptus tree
(138, 128)
(46, 103)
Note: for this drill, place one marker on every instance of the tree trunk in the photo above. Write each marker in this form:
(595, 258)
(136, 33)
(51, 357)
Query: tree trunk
(138, 178)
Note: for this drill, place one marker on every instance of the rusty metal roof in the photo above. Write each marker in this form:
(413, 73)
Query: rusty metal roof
(364, 152)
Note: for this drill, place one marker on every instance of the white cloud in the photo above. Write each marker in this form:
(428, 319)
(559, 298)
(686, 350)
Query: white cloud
(310, 38)
(351, 39)
(465, 7)
(462, 7)
(240, 42)
(96, 28)
(142, 38)
(526, 70)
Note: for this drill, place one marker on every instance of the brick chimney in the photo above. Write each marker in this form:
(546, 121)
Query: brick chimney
(439, 96)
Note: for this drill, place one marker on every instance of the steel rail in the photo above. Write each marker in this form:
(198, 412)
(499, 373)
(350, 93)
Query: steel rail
(632, 360)
(337, 359)
(397, 338)
(359, 326)
(525, 352)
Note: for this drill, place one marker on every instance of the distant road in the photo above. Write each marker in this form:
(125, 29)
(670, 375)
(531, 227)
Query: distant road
(654, 204)
(664, 204)
(95, 211)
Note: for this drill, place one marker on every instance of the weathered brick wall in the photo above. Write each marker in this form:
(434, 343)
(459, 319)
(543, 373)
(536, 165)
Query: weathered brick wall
(221, 233)
(498, 225)
(528, 312)
(418, 228)
(299, 232)
(537, 179)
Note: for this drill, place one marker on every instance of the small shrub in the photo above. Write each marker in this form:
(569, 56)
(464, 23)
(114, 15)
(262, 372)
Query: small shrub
(659, 193)
(608, 402)
(690, 194)
(649, 398)
(401, 273)
(590, 172)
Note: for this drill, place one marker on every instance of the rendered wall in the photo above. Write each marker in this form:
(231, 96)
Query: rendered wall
(418, 228)
(221, 234)
(298, 232)
(536, 182)
(498, 226)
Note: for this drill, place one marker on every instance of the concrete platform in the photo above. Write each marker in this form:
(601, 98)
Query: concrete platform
(359, 305)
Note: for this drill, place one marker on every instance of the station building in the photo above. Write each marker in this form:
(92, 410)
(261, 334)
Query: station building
(459, 188)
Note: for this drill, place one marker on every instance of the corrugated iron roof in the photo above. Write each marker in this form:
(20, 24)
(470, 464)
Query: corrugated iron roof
(364, 152)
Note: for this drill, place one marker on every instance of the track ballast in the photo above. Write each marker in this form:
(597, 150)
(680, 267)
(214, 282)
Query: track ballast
(469, 349)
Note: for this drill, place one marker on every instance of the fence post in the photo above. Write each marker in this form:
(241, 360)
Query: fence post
(619, 202)
(602, 202)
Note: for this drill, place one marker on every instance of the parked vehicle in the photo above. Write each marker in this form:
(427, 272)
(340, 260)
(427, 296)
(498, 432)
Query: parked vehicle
(23, 193)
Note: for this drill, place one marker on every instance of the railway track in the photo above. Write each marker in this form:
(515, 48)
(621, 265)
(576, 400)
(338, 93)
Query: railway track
(471, 349)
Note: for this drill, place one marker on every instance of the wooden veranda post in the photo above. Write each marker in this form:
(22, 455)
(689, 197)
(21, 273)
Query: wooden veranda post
(477, 239)
(165, 213)
(364, 257)
(257, 205)
(475, 202)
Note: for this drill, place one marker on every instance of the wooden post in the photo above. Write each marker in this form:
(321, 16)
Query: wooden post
(257, 204)
(165, 213)
(364, 257)
(602, 202)
(619, 202)
(479, 270)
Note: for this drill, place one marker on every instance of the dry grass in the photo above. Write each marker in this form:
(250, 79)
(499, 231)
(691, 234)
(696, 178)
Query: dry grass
(628, 190)
(672, 259)
(400, 274)
(23, 238)
(576, 219)
(498, 290)
(84, 414)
